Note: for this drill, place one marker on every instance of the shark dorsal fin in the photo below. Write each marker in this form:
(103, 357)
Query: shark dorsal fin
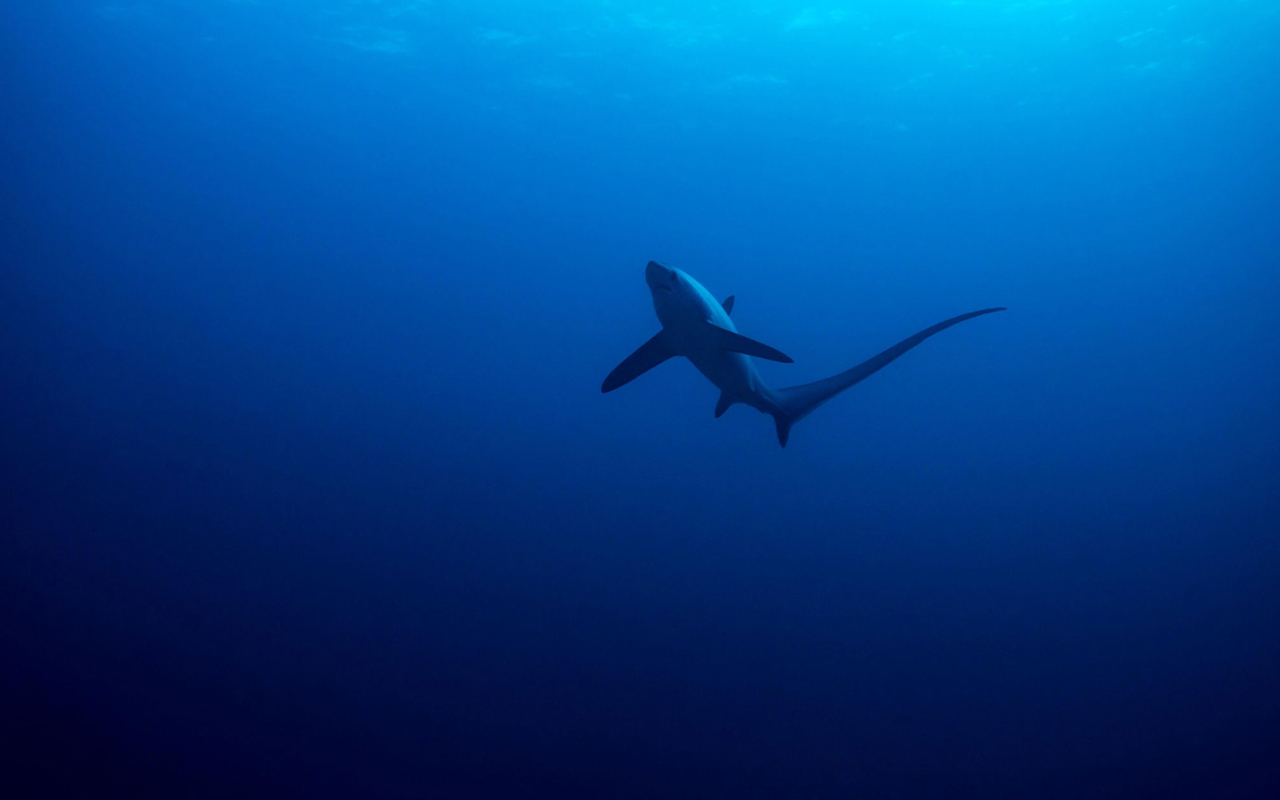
(728, 304)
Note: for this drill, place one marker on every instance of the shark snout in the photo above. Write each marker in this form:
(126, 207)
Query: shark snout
(659, 276)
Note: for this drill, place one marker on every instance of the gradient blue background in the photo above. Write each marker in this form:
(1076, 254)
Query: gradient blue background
(311, 490)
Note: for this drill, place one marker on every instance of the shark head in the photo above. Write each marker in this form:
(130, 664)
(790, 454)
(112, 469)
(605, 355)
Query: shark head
(661, 278)
(674, 294)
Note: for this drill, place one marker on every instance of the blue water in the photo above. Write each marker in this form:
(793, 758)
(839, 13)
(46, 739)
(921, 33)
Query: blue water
(311, 490)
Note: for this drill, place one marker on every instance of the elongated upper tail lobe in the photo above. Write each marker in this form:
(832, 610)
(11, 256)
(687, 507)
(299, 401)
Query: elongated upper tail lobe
(795, 402)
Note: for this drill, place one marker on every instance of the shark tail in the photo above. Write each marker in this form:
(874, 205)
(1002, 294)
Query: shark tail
(794, 403)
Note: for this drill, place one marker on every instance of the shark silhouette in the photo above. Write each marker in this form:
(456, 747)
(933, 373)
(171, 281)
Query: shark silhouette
(695, 326)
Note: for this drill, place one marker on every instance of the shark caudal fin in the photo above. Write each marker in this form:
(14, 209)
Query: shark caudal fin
(795, 402)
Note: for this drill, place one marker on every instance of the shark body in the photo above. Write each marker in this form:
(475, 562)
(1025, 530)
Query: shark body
(696, 326)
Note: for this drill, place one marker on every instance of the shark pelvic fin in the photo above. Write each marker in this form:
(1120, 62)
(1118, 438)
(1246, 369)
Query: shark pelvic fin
(722, 405)
(728, 304)
(649, 355)
(737, 343)
(783, 423)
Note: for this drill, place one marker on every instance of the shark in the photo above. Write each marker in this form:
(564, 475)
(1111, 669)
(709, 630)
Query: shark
(698, 327)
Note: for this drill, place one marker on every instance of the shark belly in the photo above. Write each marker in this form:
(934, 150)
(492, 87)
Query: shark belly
(735, 375)
(686, 329)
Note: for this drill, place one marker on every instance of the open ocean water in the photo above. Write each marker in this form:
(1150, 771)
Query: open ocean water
(310, 489)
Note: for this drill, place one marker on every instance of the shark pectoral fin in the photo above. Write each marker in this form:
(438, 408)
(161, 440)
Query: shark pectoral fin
(722, 405)
(728, 304)
(649, 355)
(737, 343)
